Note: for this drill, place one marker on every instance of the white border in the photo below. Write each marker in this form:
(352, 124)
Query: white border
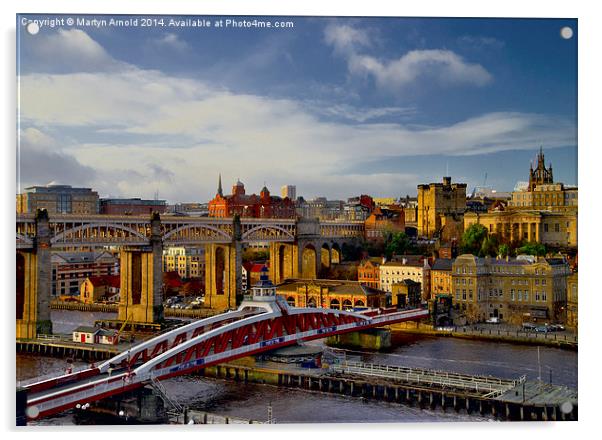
(590, 26)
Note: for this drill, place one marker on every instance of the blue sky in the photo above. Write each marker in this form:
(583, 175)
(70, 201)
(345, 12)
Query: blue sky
(336, 106)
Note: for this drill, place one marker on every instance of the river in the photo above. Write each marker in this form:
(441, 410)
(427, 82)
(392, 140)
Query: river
(295, 406)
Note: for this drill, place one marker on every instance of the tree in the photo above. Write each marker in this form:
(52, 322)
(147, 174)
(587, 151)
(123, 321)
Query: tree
(472, 239)
(397, 243)
(504, 250)
(489, 247)
(537, 249)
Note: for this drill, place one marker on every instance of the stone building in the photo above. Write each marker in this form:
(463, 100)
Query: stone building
(542, 193)
(572, 297)
(257, 206)
(383, 221)
(188, 262)
(441, 277)
(334, 294)
(100, 288)
(517, 290)
(58, 199)
(406, 293)
(549, 228)
(393, 272)
(440, 204)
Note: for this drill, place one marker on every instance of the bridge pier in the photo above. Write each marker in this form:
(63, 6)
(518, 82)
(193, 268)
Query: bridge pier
(34, 282)
(141, 295)
(223, 271)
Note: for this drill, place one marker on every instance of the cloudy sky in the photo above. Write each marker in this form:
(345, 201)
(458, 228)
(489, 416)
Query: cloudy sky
(335, 106)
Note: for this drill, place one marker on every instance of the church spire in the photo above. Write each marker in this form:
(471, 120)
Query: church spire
(219, 186)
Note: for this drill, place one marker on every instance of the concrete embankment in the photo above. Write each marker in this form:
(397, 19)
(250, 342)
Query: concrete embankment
(552, 339)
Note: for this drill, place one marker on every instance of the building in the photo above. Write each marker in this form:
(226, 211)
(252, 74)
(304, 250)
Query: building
(95, 335)
(100, 288)
(85, 334)
(410, 209)
(572, 297)
(58, 199)
(257, 206)
(187, 262)
(542, 193)
(358, 208)
(189, 209)
(134, 206)
(71, 269)
(384, 202)
(406, 293)
(414, 269)
(515, 290)
(368, 272)
(289, 191)
(549, 228)
(334, 294)
(441, 205)
(383, 221)
(321, 208)
(441, 277)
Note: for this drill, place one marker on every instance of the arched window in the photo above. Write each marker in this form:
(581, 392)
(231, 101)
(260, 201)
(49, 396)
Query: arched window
(359, 303)
(335, 304)
(291, 301)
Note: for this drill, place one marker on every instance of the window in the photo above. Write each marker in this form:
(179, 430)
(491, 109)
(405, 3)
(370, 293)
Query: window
(520, 295)
(537, 295)
(557, 227)
(464, 294)
(544, 297)
(545, 227)
(470, 294)
(526, 295)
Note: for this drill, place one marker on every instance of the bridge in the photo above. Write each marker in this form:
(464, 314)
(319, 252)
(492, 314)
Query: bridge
(299, 248)
(262, 322)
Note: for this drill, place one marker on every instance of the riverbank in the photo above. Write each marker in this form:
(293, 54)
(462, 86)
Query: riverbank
(491, 334)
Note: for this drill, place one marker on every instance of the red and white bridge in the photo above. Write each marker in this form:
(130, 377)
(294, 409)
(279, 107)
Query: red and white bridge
(263, 322)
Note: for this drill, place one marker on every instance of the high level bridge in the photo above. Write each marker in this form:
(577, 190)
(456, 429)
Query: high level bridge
(298, 249)
(263, 322)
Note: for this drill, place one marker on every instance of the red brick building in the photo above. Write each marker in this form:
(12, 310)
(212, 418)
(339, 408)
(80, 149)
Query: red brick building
(382, 221)
(258, 206)
(368, 272)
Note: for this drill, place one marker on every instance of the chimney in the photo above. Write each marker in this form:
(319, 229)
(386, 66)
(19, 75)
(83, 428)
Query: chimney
(447, 180)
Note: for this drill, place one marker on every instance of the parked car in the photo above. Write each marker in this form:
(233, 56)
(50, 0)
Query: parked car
(542, 329)
(493, 320)
(556, 327)
(529, 326)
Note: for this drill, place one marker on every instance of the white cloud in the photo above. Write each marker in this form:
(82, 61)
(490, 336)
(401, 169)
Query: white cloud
(173, 42)
(345, 39)
(70, 50)
(443, 66)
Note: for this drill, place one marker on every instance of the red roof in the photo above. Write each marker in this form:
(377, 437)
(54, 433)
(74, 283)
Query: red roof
(106, 280)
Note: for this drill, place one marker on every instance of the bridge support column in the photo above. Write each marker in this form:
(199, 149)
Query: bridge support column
(283, 262)
(34, 283)
(223, 272)
(141, 296)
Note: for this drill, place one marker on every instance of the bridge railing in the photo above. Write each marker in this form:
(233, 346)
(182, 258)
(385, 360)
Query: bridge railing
(479, 384)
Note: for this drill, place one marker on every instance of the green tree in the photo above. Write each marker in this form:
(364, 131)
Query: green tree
(504, 250)
(472, 239)
(397, 243)
(537, 249)
(489, 247)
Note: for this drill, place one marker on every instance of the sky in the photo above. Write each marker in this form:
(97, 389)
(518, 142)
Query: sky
(336, 106)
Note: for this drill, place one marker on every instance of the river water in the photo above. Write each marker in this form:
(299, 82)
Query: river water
(251, 401)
